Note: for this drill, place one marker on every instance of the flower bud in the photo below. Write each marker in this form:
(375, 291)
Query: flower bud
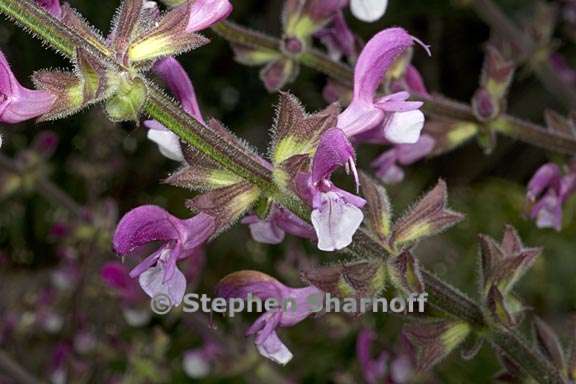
(497, 72)
(278, 73)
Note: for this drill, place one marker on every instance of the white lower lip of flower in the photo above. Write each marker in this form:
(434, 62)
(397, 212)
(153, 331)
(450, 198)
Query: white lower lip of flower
(335, 222)
(405, 127)
(168, 143)
(368, 10)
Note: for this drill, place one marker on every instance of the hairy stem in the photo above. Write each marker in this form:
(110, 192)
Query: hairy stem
(228, 151)
(435, 105)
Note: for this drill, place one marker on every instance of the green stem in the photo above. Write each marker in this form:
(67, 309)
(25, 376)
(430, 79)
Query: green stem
(227, 150)
(435, 105)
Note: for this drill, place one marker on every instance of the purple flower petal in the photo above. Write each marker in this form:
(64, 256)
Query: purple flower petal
(17, 103)
(198, 230)
(414, 81)
(546, 176)
(51, 6)
(375, 59)
(145, 224)
(333, 151)
(204, 13)
(374, 370)
(293, 225)
(116, 276)
(338, 38)
(179, 83)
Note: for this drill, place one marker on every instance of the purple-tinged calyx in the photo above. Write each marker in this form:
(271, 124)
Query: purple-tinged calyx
(158, 273)
(336, 214)
(549, 189)
(302, 303)
(175, 32)
(401, 121)
(18, 103)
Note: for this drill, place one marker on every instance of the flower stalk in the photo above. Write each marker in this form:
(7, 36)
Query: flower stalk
(495, 18)
(237, 158)
(505, 124)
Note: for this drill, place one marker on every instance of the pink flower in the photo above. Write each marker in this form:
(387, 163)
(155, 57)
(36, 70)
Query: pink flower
(158, 273)
(336, 214)
(399, 120)
(17, 103)
(302, 302)
(386, 367)
(178, 82)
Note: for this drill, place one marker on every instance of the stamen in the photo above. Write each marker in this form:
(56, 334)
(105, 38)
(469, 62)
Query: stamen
(355, 173)
(425, 46)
